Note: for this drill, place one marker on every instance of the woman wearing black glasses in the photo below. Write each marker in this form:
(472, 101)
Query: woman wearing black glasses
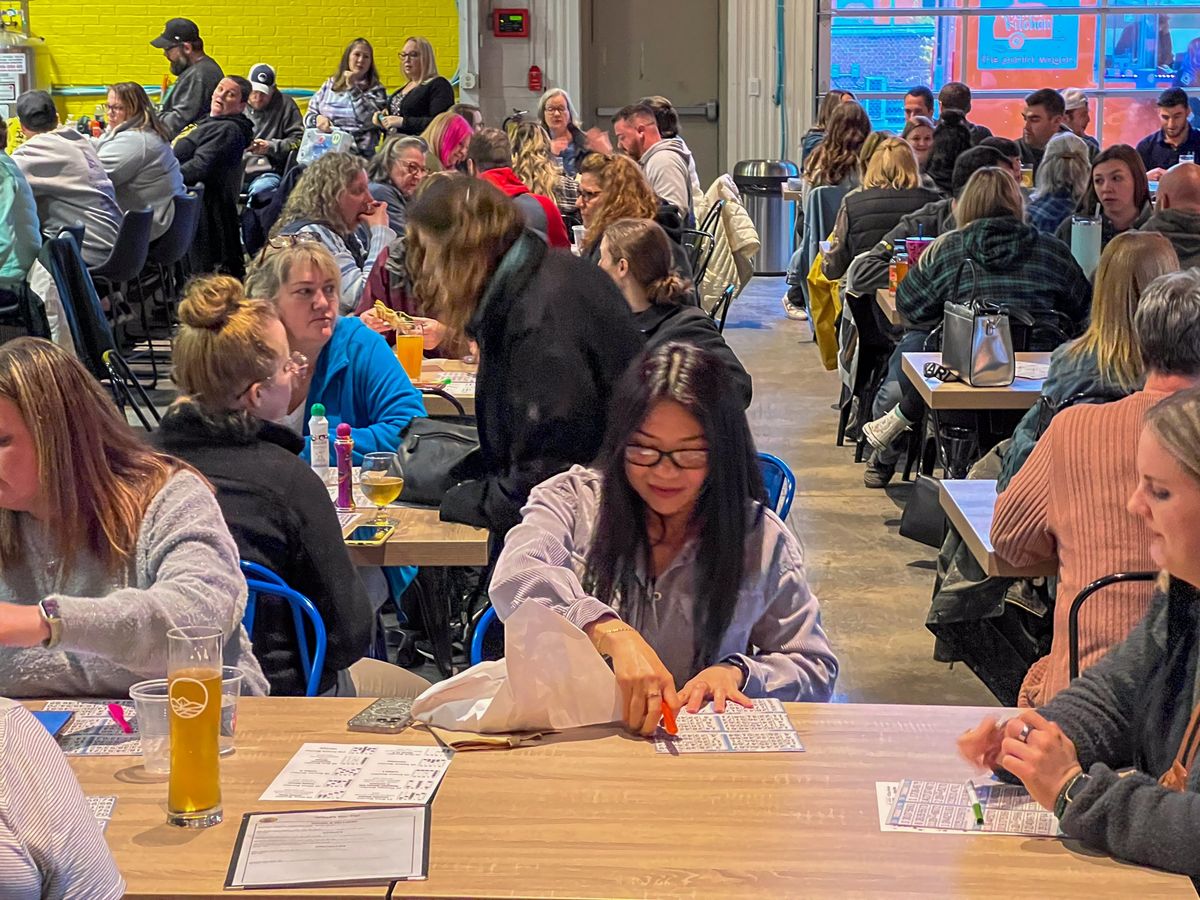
(424, 95)
(666, 556)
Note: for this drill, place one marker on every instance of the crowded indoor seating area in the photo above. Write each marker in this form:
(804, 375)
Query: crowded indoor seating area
(437, 439)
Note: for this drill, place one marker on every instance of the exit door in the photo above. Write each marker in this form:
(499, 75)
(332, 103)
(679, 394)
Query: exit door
(670, 47)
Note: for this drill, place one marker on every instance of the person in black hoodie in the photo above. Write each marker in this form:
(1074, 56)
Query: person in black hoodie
(210, 154)
(234, 366)
(637, 254)
(553, 331)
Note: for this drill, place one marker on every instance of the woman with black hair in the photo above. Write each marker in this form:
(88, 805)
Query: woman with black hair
(666, 556)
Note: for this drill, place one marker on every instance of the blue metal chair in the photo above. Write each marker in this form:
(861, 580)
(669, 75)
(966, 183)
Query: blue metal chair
(261, 580)
(781, 489)
(779, 482)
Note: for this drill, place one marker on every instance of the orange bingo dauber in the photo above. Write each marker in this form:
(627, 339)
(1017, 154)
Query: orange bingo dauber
(669, 720)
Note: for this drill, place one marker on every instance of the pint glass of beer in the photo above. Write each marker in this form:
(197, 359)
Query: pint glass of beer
(194, 718)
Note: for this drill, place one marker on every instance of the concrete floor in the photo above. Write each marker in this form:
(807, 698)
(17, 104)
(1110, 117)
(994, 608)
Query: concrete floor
(874, 585)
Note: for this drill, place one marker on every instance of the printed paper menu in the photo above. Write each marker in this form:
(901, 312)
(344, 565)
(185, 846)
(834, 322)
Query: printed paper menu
(361, 773)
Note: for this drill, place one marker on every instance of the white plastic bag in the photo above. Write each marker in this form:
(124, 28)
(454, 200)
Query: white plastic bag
(551, 678)
(316, 144)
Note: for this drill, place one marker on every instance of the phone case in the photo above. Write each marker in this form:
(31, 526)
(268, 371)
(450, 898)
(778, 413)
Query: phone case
(376, 542)
(388, 715)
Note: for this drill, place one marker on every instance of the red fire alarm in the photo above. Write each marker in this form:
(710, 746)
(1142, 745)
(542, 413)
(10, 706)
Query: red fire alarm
(535, 79)
(510, 23)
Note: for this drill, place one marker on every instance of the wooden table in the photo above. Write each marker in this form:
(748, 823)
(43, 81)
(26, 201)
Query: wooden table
(938, 395)
(970, 505)
(433, 370)
(594, 813)
(887, 302)
(421, 539)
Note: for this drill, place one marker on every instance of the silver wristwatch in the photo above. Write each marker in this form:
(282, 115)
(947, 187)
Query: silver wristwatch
(49, 611)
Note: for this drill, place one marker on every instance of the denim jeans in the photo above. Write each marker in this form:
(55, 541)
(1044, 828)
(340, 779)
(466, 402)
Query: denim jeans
(267, 181)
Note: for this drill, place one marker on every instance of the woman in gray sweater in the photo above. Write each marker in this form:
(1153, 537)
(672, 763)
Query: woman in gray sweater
(104, 544)
(1138, 709)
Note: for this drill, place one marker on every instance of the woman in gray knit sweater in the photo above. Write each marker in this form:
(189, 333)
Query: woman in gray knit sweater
(1138, 709)
(104, 544)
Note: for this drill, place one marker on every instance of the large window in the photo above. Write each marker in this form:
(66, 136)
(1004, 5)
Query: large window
(1121, 52)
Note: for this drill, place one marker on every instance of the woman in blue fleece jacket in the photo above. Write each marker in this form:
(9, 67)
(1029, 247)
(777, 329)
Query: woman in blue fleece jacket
(351, 369)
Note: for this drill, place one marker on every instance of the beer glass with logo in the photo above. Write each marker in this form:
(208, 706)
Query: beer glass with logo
(194, 719)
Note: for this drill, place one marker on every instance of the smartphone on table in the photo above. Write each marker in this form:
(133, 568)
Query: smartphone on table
(388, 715)
(370, 535)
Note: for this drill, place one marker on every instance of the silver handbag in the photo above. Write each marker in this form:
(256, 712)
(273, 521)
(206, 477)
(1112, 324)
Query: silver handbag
(977, 343)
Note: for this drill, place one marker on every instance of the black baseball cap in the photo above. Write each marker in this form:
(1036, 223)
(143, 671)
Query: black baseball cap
(177, 31)
(36, 111)
(262, 79)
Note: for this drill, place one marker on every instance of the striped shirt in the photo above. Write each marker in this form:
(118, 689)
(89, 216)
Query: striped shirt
(50, 844)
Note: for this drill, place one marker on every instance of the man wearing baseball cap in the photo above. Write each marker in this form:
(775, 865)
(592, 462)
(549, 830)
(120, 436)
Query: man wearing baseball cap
(278, 129)
(198, 75)
(1079, 117)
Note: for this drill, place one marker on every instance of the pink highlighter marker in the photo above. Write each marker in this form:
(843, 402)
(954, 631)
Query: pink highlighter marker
(117, 711)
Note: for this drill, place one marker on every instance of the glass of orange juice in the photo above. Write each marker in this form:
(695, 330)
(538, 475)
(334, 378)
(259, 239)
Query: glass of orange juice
(410, 348)
(194, 722)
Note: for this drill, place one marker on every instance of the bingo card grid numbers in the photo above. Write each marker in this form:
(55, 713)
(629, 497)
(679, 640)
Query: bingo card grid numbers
(92, 731)
(764, 729)
(945, 806)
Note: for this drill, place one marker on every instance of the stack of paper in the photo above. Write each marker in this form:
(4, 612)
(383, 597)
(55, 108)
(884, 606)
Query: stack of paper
(92, 731)
(765, 728)
(946, 807)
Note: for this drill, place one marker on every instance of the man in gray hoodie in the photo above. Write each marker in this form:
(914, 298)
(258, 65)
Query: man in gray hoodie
(1177, 212)
(278, 129)
(666, 162)
(66, 177)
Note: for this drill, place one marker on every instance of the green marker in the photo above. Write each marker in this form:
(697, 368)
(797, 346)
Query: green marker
(976, 806)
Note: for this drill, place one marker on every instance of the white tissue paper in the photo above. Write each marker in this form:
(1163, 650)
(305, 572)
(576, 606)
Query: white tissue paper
(551, 678)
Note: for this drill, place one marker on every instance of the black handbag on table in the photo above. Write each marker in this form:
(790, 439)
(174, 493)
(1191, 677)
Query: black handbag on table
(435, 455)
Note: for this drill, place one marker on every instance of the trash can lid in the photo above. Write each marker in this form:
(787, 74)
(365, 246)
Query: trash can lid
(781, 169)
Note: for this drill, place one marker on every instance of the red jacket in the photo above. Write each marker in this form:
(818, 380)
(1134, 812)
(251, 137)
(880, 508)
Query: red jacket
(546, 210)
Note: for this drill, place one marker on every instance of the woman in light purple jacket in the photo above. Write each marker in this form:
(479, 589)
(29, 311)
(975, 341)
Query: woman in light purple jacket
(666, 556)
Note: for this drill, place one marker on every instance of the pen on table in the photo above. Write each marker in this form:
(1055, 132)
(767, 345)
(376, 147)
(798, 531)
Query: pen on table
(976, 806)
(117, 712)
(669, 720)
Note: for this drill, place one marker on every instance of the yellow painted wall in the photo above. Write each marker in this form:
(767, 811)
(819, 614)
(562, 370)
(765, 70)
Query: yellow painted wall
(97, 42)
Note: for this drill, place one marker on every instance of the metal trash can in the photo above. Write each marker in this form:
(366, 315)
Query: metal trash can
(761, 182)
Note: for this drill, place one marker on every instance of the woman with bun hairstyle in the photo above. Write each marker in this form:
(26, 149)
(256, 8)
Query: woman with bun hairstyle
(636, 253)
(236, 371)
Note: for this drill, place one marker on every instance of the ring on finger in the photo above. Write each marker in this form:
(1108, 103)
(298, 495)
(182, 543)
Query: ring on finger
(1023, 736)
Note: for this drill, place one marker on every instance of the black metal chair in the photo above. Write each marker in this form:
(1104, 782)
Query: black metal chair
(699, 246)
(93, 337)
(1081, 598)
(23, 310)
(709, 225)
(875, 347)
(721, 308)
(128, 255)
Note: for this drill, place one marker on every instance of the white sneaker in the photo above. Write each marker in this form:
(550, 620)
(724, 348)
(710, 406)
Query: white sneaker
(794, 312)
(884, 431)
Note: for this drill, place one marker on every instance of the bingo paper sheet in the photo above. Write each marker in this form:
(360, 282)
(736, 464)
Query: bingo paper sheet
(945, 806)
(102, 808)
(361, 773)
(92, 732)
(764, 729)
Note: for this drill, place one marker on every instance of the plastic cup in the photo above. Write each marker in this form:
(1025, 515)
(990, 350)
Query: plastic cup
(1086, 233)
(150, 702)
(577, 237)
(915, 246)
(231, 690)
(1027, 176)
